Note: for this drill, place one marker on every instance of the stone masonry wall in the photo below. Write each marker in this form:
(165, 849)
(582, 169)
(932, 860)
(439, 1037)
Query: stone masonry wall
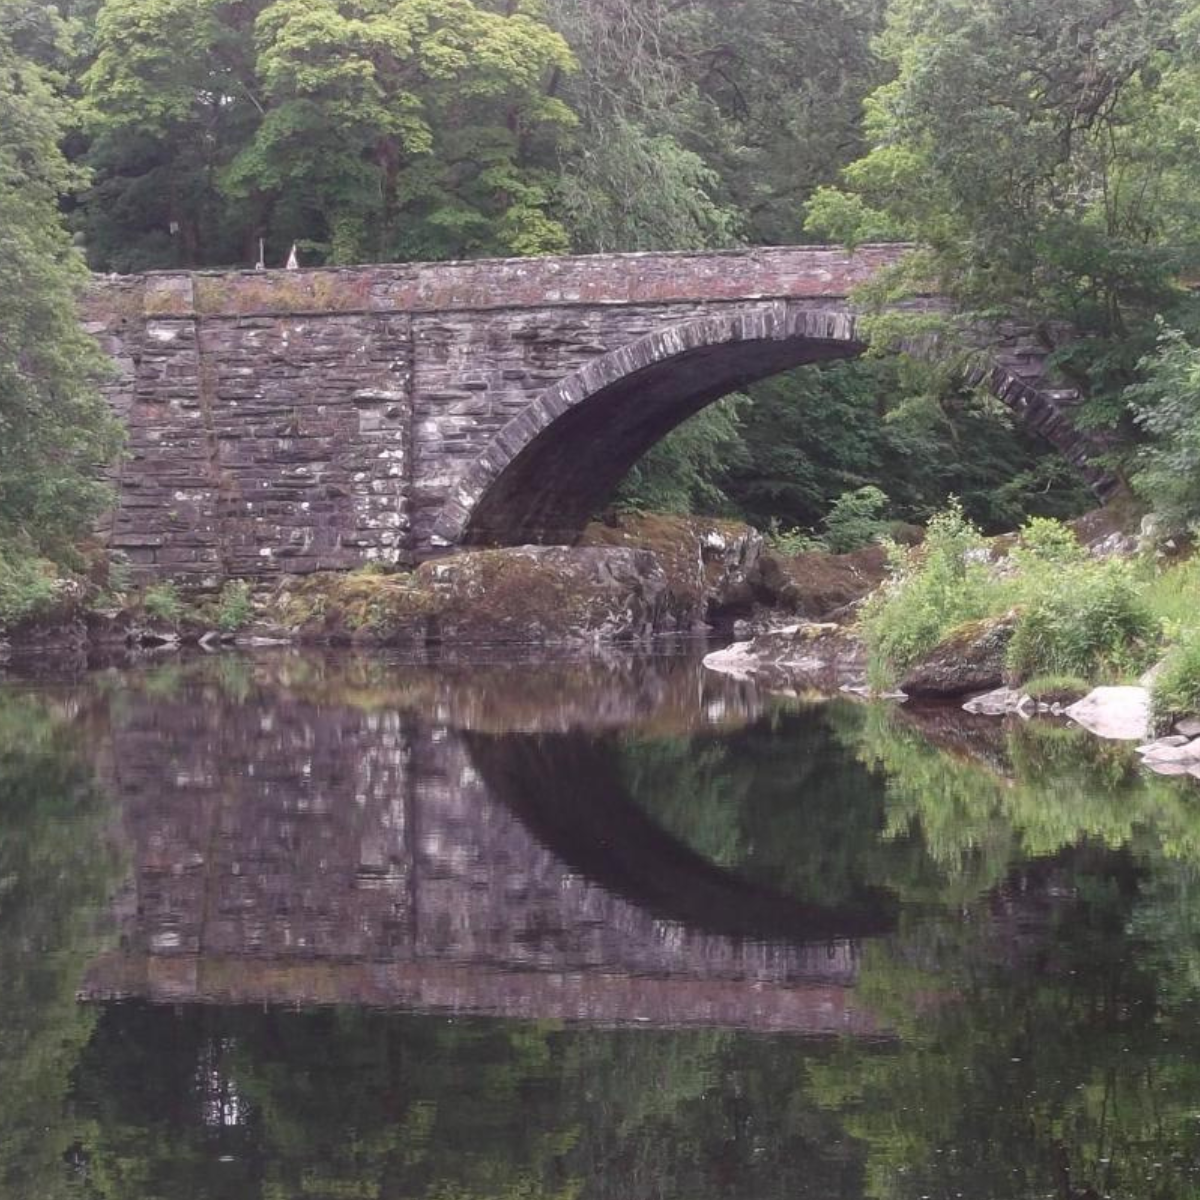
(293, 421)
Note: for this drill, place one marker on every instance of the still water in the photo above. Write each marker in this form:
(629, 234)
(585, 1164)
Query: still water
(332, 928)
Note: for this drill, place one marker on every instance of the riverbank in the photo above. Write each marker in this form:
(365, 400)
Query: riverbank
(1091, 623)
(629, 580)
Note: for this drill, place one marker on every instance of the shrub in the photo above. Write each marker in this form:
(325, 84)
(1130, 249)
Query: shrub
(1086, 619)
(1167, 406)
(1172, 595)
(791, 542)
(1045, 542)
(933, 588)
(856, 520)
(162, 602)
(235, 606)
(27, 584)
(1176, 689)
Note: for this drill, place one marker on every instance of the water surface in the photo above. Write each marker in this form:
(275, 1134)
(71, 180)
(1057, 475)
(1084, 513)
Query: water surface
(330, 927)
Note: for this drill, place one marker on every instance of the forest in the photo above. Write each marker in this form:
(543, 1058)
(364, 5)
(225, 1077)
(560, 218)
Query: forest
(1044, 160)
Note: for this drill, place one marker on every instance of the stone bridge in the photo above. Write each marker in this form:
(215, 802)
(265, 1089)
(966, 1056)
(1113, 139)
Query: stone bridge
(292, 421)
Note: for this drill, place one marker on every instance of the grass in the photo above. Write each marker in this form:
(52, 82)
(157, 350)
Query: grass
(1095, 621)
(1056, 689)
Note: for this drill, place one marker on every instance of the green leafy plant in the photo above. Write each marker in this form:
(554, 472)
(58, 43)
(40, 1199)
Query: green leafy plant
(162, 602)
(1176, 689)
(27, 585)
(856, 520)
(1087, 619)
(235, 606)
(791, 542)
(933, 588)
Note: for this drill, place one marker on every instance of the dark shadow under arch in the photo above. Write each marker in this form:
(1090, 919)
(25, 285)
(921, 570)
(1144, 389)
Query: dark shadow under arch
(555, 465)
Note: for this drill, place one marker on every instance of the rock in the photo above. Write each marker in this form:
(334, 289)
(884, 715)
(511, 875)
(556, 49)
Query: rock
(1116, 545)
(539, 595)
(1189, 727)
(1115, 713)
(549, 594)
(806, 657)
(710, 565)
(1169, 768)
(818, 585)
(998, 703)
(970, 659)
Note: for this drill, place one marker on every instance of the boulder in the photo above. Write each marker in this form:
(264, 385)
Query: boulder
(548, 594)
(969, 659)
(710, 565)
(532, 595)
(798, 658)
(1189, 727)
(1115, 713)
(818, 585)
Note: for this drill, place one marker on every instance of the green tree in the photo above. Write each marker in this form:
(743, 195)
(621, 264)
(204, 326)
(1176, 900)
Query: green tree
(55, 431)
(1045, 158)
(363, 130)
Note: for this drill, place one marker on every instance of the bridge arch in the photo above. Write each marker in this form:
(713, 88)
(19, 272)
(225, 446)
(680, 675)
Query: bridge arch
(547, 472)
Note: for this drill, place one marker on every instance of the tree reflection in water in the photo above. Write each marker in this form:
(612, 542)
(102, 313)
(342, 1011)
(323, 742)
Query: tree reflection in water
(1037, 991)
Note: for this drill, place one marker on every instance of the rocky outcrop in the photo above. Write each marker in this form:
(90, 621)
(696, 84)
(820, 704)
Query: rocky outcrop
(818, 586)
(712, 566)
(798, 658)
(970, 659)
(533, 595)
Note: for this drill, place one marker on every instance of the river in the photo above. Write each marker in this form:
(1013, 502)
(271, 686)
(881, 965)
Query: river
(341, 928)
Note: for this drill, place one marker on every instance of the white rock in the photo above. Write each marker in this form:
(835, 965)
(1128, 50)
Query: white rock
(1161, 752)
(1117, 713)
(1189, 727)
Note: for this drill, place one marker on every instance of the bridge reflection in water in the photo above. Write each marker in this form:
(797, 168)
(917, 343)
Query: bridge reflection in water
(446, 841)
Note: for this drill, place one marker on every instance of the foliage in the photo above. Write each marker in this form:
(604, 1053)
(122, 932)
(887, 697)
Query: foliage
(27, 586)
(1075, 616)
(1171, 595)
(1051, 688)
(855, 520)
(162, 602)
(1087, 620)
(811, 434)
(686, 138)
(933, 588)
(791, 542)
(54, 427)
(1175, 691)
(420, 129)
(1166, 404)
(678, 474)
(235, 606)
(1045, 158)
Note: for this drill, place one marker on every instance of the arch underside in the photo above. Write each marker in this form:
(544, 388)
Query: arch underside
(552, 468)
